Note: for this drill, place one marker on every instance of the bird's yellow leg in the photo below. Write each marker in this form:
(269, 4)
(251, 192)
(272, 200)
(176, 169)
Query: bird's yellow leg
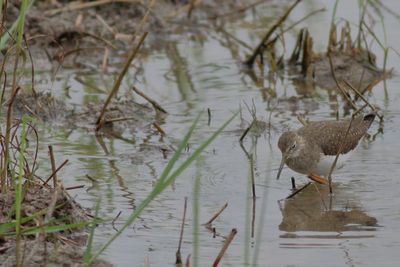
(318, 179)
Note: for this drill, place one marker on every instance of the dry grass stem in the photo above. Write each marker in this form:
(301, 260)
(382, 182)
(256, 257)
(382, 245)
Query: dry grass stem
(148, 99)
(261, 47)
(54, 173)
(178, 252)
(364, 99)
(225, 247)
(338, 85)
(117, 84)
(298, 190)
(53, 166)
(215, 216)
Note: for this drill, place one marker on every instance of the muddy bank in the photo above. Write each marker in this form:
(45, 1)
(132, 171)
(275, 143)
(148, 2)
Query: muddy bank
(82, 33)
(43, 211)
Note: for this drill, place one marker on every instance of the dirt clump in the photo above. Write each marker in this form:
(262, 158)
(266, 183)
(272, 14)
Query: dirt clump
(42, 208)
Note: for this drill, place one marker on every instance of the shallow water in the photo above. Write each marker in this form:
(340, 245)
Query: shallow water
(358, 226)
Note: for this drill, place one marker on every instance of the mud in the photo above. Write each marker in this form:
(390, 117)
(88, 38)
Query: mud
(47, 206)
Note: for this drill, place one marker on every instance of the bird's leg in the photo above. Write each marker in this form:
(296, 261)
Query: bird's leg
(318, 179)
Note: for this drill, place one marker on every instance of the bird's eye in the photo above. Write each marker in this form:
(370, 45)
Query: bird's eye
(293, 146)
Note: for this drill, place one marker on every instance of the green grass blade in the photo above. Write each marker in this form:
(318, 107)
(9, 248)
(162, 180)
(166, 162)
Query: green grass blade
(17, 26)
(334, 12)
(55, 228)
(88, 251)
(5, 227)
(179, 150)
(197, 152)
(196, 212)
(163, 183)
(18, 191)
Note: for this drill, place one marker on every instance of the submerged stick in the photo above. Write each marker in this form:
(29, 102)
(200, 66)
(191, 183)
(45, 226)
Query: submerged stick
(261, 47)
(216, 214)
(117, 84)
(208, 116)
(178, 252)
(54, 172)
(188, 261)
(246, 132)
(225, 247)
(53, 166)
(293, 183)
(298, 191)
(148, 99)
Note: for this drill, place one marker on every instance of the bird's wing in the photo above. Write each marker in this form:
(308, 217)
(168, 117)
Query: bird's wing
(329, 135)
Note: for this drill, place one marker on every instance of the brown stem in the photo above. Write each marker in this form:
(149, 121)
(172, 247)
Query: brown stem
(178, 252)
(117, 84)
(53, 166)
(261, 47)
(148, 99)
(225, 247)
(53, 173)
(217, 214)
(298, 191)
(337, 83)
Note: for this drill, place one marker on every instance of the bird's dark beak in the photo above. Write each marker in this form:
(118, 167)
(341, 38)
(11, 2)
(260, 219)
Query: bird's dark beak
(281, 167)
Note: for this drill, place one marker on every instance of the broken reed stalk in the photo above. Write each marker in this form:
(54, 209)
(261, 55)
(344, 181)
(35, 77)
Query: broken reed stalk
(117, 84)
(53, 166)
(253, 183)
(187, 261)
(178, 252)
(261, 47)
(363, 99)
(159, 129)
(253, 217)
(338, 85)
(298, 191)
(208, 116)
(54, 172)
(215, 216)
(246, 132)
(155, 105)
(227, 242)
(293, 183)
(146, 261)
(74, 187)
(337, 155)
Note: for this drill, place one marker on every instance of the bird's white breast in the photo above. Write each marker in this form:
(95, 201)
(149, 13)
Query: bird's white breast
(324, 165)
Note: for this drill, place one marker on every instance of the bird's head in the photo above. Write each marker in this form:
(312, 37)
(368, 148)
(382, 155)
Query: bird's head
(290, 144)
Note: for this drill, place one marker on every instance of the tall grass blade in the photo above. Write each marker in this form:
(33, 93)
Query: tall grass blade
(196, 211)
(18, 192)
(88, 251)
(17, 26)
(163, 182)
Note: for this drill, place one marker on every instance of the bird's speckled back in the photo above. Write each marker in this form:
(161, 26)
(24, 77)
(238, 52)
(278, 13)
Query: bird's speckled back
(329, 135)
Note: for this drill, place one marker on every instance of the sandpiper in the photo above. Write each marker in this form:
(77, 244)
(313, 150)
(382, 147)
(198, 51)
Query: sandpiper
(312, 149)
